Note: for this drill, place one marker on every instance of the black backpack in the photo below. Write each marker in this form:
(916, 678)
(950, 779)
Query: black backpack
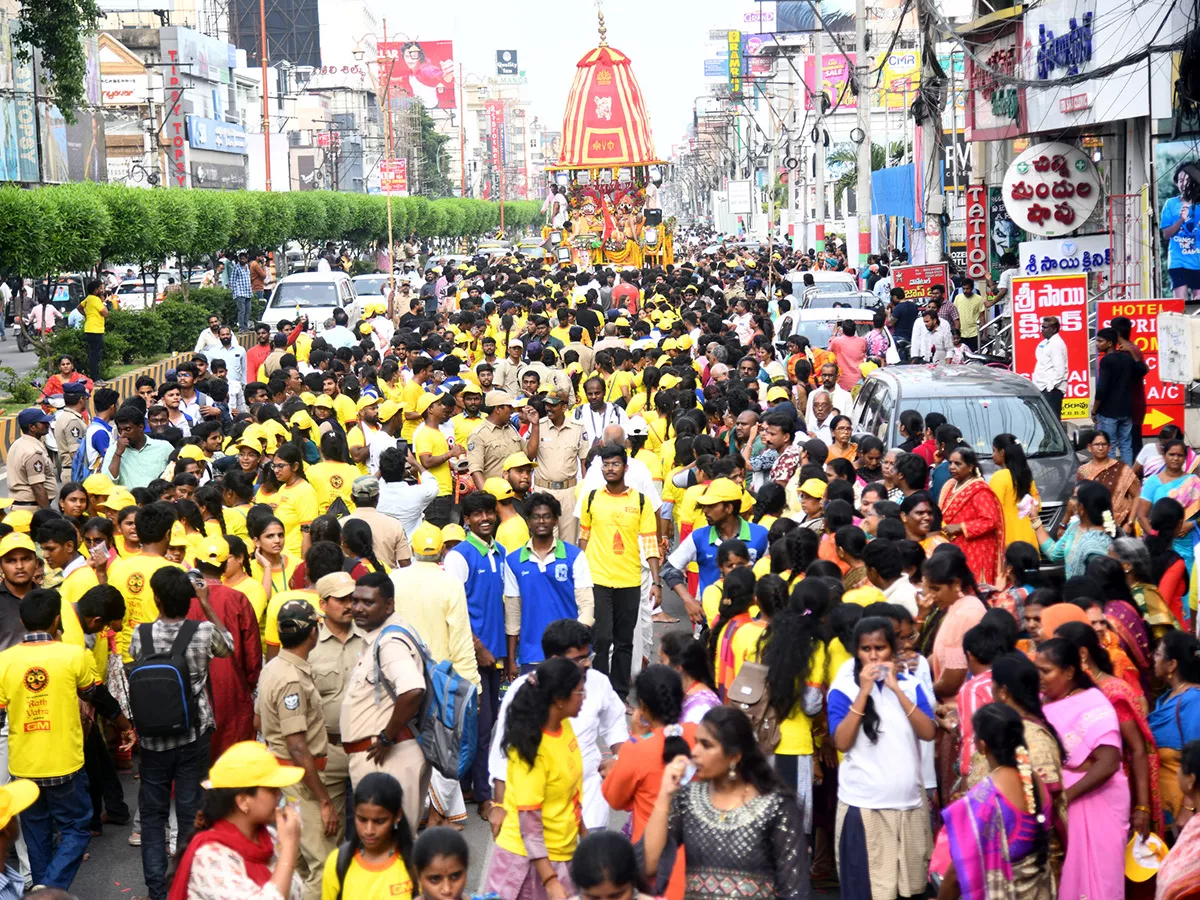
(161, 700)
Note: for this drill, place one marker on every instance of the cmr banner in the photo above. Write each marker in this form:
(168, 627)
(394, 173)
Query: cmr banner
(1164, 402)
(918, 281)
(1064, 297)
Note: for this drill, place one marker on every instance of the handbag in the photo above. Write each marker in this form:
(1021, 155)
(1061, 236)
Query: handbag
(750, 693)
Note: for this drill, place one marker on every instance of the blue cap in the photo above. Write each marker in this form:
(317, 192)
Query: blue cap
(75, 387)
(32, 416)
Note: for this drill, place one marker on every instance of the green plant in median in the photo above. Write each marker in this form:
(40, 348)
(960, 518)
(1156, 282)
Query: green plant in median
(17, 387)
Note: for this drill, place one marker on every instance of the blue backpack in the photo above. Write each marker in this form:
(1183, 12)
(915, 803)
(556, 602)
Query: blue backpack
(79, 466)
(447, 726)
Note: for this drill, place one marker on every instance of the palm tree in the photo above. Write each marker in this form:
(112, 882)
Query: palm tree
(846, 158)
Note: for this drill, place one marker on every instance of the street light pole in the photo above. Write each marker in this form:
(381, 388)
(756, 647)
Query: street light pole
(462, 134)
(262, 29)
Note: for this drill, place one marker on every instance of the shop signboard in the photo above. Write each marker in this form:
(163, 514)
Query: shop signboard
(734, 45)
(215, 135)
(837, 71)
(1051, 189)
(918, 281)
(994, 106)
(977, 232)
(393, 176)
(1164, 401)
(1087, 254)
(1064, 297)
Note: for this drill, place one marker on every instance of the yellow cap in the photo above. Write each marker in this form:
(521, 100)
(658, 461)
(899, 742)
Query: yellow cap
(16, 797)
(308, 397)
(387, 409)
(301, 419)
(252, 446)
(453, 532)
(669, 381)
(178, 536)
(365, 328)
(367, 400)
(462, 338)
(427, 540)
(20, 520)
(425, 401)
(470, 388)
(213, 550)
(670, 344)
(116, 501)
(5, 502)
(250, 764)
(16, 541)
(720, 490)
(98, 484)
(813, 487)
(1143, 859)
(498, 488)
(684, 342)
(517, 460)
(324, 401)
(777, 393)
(622, 322)
(190, 451)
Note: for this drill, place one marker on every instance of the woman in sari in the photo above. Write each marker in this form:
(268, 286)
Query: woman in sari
(1120, 611)
(1176, 482)
(1167, 568)
(1090, 532)
(1122, 665)
(1139, 757)
(842, 447)
(1013, 485)
(1114, 474)
(1150, 460)
(919, 515)
(1097, 790)
(998, 834)
(1016, 683)
(972, 517)
(1175, 721)
(1134, 558)
(1179, 876)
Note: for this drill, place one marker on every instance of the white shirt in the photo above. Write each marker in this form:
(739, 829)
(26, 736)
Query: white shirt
(594, 422)
(407, 502)
(601, 718)
(206, 340)
(234, 357)
(841, 399)
(902, 593)
(323, 265)
(931, 346)
(637, 476)
(1051, 369)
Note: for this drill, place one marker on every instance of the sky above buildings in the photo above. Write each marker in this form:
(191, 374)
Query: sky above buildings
(665, 40)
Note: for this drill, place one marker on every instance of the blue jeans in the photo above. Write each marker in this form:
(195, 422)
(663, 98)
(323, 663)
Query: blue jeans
(182, 768)
(67, 809)
(243, 313)
(1120, 432)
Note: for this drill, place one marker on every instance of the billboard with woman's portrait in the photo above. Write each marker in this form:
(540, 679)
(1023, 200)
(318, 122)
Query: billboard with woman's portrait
(421, 69)
(1177, 192)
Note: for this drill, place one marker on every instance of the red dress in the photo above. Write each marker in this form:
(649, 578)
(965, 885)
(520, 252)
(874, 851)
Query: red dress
(973, 506)
(232, 678)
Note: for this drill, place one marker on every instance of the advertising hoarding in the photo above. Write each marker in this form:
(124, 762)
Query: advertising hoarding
(1065, 297)
(422, 69)
(918, 281)
(1164, 402)
(213, 134)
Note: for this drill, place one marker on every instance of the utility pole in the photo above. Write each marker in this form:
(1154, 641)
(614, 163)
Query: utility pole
(863, 189)
(794, 153)
(819, 131)
(933, 97)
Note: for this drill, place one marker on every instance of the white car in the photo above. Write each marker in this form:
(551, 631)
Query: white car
(823, 283)
(312, 294)
(821, 323)
(137, 294)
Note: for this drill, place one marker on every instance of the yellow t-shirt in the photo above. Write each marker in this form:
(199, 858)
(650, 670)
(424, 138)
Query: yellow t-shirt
(298, 506)
(270, 630)
(280, 577)
(837, 656)
(615, 525)
(651, 461)
(345, 409)
(429, 439)
(39, 685)
(357, 437)
(795, 732)
(331, 480)
(131, 576)
(77, 584)
(235, 522)
(255, 594)
(620, 379)
(389, 881)
(710, 600)
(512, 534)
(464, 427)
(554, 786)
(93, 318)
(412, 393)
(864, 596)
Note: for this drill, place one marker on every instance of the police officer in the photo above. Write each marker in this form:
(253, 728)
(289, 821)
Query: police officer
(560, 447)
(70, 426)
(339, 644)
(31, 481)
(496, 439)
(289, 714)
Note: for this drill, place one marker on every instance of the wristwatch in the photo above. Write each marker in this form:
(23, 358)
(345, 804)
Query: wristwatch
(383, 739)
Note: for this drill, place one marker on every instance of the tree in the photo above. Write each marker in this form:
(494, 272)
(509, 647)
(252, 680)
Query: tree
(213, 226)
(308, 219)
(54, 28)
(275, 220)
(846, 158)
(247, 219)
(432, 182)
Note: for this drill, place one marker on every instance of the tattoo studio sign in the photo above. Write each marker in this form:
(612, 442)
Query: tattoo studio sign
(1051, 189)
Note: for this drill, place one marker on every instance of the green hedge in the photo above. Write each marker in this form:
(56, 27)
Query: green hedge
(143, 336)
(76, 227)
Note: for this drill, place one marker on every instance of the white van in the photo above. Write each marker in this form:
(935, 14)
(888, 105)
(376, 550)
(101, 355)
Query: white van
(312, 294)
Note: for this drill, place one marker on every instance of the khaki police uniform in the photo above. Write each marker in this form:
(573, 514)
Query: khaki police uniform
(69, 429)
(29, 464)
(332, 661)
(489, 446)
(587, 356)
(558, 459)
(288, 703)
(367, 708)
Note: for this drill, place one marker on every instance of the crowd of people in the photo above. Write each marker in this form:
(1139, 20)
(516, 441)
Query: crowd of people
(257, 579)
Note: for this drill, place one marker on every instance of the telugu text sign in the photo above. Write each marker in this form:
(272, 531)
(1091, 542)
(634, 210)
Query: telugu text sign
(1064, 297)
(918, 281)
(1164, 402)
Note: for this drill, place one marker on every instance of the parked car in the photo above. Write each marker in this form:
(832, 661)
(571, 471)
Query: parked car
(137, 294)
(817, 298)
(819, 324)
(983, 402)
(370, 286)
(312, 294)
(823, 283)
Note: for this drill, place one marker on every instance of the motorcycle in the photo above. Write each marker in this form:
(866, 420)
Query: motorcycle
(21, 333)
